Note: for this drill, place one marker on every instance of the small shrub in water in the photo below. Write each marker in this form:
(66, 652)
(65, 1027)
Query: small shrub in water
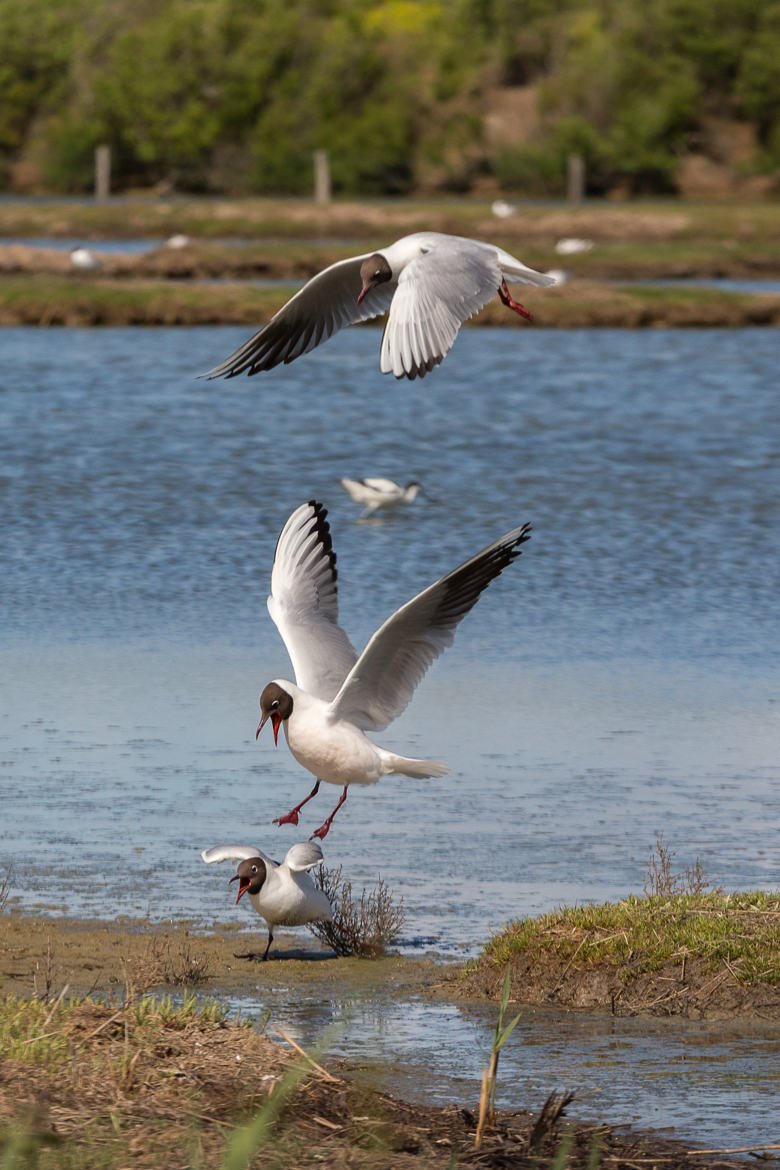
(364, 927)
(661, 882)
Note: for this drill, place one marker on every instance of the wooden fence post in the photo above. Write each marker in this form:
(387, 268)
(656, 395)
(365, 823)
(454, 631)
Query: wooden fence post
(322, 188)
(102, 172)
(575, 178)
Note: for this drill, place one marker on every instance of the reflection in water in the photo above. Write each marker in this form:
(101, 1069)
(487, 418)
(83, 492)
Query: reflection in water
(708, 1083)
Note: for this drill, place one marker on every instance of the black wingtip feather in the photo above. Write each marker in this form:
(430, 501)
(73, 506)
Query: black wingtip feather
(322, 528)
(466, 584)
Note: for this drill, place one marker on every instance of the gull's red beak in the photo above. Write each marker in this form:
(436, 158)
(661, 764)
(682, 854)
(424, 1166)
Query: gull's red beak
(276, 721)
(243, 885)
(361, 294)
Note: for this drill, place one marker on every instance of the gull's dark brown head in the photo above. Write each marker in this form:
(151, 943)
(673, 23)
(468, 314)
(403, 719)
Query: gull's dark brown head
(250, 877)
(373, 271)
(275, 704)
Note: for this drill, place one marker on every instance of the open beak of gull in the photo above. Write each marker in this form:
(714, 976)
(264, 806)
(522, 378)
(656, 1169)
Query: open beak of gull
(243, 885)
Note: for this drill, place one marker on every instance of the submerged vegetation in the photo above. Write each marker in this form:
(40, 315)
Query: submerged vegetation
(406, 95)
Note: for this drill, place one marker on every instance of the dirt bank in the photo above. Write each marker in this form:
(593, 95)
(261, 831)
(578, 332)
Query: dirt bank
(690, 989)
(703, 955)
(38, 955)
(128, 1083)
(116, 1080)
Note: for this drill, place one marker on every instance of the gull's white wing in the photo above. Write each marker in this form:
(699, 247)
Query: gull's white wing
(305, 855)
(383, 680)
(234, 853)
(327, 303)
(304, 603)
(447, 283)
(439, 290)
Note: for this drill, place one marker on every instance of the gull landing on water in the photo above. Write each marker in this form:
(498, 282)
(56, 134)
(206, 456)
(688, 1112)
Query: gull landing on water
(284, 895)
(430, 283)
(377, 493)
(338, 696)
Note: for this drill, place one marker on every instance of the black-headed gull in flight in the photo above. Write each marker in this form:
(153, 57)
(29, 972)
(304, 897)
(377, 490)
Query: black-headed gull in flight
(338, 696)
(376, 493)
(284, 895)
(431, 283)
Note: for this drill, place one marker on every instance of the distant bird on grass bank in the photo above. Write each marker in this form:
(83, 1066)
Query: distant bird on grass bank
(337, 696)
(572, 246)
(284, 895)
(84, 260)
(376, 494)
(431, 283)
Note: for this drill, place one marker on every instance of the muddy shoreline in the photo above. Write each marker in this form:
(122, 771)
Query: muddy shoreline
(38, 954)
(195, 1069)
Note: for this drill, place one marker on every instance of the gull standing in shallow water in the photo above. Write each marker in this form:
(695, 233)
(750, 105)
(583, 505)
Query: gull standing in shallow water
(377, 493)
(337, 696)
(284, 895)
(430, 282)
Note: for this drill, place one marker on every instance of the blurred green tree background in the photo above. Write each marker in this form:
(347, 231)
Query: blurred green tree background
(407, 95)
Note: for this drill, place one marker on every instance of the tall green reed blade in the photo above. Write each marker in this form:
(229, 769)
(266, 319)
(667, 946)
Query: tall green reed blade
(500, 1037)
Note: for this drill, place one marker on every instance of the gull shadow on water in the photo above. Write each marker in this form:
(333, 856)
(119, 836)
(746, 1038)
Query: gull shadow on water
(302, 954)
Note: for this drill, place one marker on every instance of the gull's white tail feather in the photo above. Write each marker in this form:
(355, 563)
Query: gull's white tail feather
(420, 769)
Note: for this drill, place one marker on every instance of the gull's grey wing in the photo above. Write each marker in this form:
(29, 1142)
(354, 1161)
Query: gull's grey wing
(436, 293)
(384, 678)
(304, 603)
(234, 853)
(327, 303)
(305, 855)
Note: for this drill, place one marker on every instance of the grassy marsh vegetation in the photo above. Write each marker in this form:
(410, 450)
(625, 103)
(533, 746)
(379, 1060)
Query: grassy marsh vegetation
(642, 934)
(149, 1083)
(683, 948)
(51, 299)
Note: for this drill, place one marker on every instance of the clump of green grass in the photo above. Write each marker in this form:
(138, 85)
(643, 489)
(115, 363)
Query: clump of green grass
(742, 929)
(679, 918)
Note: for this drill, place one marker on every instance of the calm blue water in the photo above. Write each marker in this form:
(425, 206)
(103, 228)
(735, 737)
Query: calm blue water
(619, 680)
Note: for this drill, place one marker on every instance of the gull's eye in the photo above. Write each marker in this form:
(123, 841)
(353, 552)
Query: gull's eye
(274, 704)
(254, 869)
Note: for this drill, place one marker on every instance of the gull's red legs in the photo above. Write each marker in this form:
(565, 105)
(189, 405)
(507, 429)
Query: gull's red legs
(506, 297)
(291, 818)
(322, 832)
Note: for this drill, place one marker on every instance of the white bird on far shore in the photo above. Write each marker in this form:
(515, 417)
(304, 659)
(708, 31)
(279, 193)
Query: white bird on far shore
(572, 246)
(84, 260)
(377, 494)
(284, 895)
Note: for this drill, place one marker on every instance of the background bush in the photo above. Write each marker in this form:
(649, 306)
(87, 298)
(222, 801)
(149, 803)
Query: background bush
(234, 95)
